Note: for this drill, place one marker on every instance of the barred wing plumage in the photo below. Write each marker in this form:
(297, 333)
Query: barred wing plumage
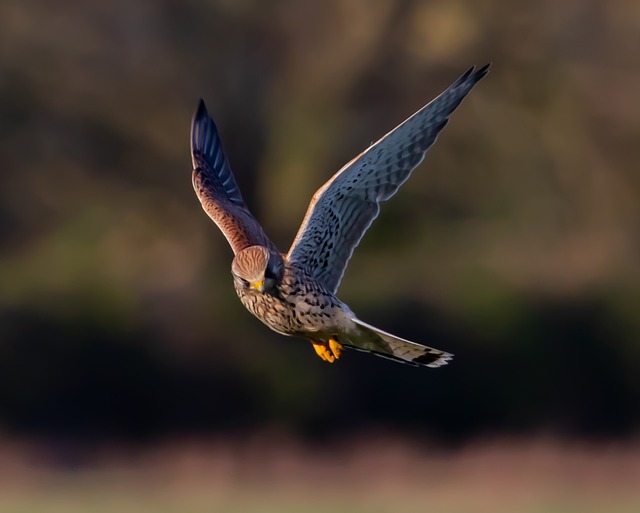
(217, 189)
(342, 210)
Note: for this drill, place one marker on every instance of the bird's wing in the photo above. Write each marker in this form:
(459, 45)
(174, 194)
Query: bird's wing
(343, 208)
(217, 189)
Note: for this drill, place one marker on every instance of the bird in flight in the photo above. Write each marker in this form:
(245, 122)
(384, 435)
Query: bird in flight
(295, 293)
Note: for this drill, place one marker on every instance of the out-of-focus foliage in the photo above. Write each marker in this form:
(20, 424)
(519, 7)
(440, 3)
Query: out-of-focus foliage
(515, 245)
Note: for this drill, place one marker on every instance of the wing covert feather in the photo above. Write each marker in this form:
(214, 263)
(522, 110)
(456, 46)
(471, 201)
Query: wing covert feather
(217, 189)
(342, 210)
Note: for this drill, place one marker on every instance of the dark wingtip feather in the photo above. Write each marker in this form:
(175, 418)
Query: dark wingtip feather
(474, 75)
(208, 156)
(482, 71)
(199, 118)
(203, 135)
(466, 74)
(199, 115)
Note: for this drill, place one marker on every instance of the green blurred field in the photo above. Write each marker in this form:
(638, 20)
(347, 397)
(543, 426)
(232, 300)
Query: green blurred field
(270, 475)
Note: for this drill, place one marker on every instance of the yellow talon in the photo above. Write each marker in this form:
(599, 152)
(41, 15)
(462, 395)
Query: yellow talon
(323, 352)
(329, 351)
(336, 348)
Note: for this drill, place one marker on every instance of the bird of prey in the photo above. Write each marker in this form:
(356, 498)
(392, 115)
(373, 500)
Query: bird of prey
(295, 293)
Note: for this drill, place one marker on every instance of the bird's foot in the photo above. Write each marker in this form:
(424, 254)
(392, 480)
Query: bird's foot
(324, 352)
(329, 351)
(336, 348)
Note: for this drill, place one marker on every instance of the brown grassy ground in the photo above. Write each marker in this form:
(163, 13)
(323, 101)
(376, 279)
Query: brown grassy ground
(268, 474)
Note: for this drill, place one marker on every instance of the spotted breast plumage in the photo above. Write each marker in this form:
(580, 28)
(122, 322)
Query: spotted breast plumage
(294, 293)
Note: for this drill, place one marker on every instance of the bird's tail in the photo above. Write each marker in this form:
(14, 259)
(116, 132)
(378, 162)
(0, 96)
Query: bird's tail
(372, 340)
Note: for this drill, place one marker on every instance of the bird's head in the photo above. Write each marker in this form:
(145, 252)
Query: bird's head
(257, 268)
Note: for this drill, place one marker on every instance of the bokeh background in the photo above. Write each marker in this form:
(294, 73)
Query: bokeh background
(132, 379)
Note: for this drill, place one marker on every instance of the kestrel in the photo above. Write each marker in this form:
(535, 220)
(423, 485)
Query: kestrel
(295, 293)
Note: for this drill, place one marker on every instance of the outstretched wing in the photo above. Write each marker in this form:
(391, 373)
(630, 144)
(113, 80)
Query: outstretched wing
(343, 208)
(217, 189)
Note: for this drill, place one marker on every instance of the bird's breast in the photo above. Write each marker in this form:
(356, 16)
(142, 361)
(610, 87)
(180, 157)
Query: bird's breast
(298, 306)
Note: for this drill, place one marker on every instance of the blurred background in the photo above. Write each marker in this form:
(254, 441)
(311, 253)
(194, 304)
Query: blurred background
(131, 377)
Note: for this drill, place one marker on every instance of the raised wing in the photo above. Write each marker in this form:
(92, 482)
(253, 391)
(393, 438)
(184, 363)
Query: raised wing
(343, 208)
(217, 189)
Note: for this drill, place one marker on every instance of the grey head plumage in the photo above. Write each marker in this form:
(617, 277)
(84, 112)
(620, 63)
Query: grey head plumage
(257, 267)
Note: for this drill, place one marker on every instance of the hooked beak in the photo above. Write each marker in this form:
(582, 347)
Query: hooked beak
(258, 285)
